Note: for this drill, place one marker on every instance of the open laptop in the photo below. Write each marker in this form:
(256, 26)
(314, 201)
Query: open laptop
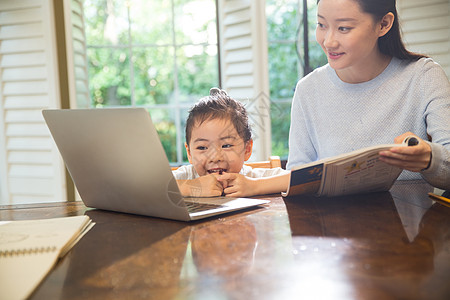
(117, 163)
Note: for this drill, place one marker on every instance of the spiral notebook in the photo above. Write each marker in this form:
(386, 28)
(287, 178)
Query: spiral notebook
(29, 249)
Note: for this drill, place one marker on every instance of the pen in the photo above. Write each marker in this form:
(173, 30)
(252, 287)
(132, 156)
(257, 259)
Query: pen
(441, 198)
(411, 141)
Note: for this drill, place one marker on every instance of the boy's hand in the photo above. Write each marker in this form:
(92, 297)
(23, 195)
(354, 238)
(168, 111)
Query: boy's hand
(412, 158)
(203, 186)
(237, 185)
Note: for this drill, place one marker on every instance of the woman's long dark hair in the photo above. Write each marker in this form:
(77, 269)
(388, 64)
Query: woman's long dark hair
(391, 43)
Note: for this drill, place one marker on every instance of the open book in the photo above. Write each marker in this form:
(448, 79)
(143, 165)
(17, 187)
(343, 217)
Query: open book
(29, 249)
(358, 171)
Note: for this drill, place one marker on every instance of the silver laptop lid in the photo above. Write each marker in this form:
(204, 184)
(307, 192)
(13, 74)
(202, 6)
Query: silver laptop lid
(116, 160)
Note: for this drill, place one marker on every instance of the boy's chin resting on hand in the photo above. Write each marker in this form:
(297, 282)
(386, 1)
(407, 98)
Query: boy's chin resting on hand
(203, 186)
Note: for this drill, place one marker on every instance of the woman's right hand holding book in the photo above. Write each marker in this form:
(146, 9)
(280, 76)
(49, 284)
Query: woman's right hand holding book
(414, 158)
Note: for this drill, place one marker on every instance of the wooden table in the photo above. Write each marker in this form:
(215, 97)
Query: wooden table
(391, 245)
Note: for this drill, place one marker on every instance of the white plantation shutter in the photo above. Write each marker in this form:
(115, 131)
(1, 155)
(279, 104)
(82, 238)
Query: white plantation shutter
(244, 68)
(77, 69)
(31, 169)
(76, 54)
(426, 28)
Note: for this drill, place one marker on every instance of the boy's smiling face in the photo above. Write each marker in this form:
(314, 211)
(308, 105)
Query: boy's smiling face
(216, 146)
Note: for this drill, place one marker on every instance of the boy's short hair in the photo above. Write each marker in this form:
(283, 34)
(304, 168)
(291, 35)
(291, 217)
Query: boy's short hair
(218, 105)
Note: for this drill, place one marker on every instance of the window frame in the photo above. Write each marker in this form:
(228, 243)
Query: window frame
(177, 106)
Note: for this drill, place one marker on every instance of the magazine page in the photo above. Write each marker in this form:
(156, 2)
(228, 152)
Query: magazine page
(305, 180)
(360, 173)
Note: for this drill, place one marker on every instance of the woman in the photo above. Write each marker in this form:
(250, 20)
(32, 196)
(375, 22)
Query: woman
(372, 91)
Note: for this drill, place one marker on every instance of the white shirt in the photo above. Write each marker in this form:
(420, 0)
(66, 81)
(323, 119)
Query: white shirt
(188, 172)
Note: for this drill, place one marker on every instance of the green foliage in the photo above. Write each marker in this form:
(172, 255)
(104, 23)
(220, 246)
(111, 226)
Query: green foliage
(197, 74)
(167, 133)
(147, 70)
(108, 77)
(281, 121)
(285, 34)
(132, 62)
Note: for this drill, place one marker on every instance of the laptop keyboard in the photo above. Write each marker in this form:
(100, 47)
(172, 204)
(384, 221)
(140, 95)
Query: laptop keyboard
(196, 207)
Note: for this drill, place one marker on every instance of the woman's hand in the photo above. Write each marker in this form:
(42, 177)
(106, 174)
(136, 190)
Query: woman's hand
(413, 158)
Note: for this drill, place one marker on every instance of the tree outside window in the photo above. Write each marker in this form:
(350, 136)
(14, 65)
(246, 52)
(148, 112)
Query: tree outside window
(161, 55)
(287, 61)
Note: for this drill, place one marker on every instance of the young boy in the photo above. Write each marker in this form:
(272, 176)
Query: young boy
(218, 142)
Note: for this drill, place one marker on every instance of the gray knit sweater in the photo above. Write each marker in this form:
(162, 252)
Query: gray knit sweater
(331, 117)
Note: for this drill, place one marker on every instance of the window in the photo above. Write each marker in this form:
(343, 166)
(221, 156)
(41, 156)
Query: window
(287, 55)
(161, 55)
